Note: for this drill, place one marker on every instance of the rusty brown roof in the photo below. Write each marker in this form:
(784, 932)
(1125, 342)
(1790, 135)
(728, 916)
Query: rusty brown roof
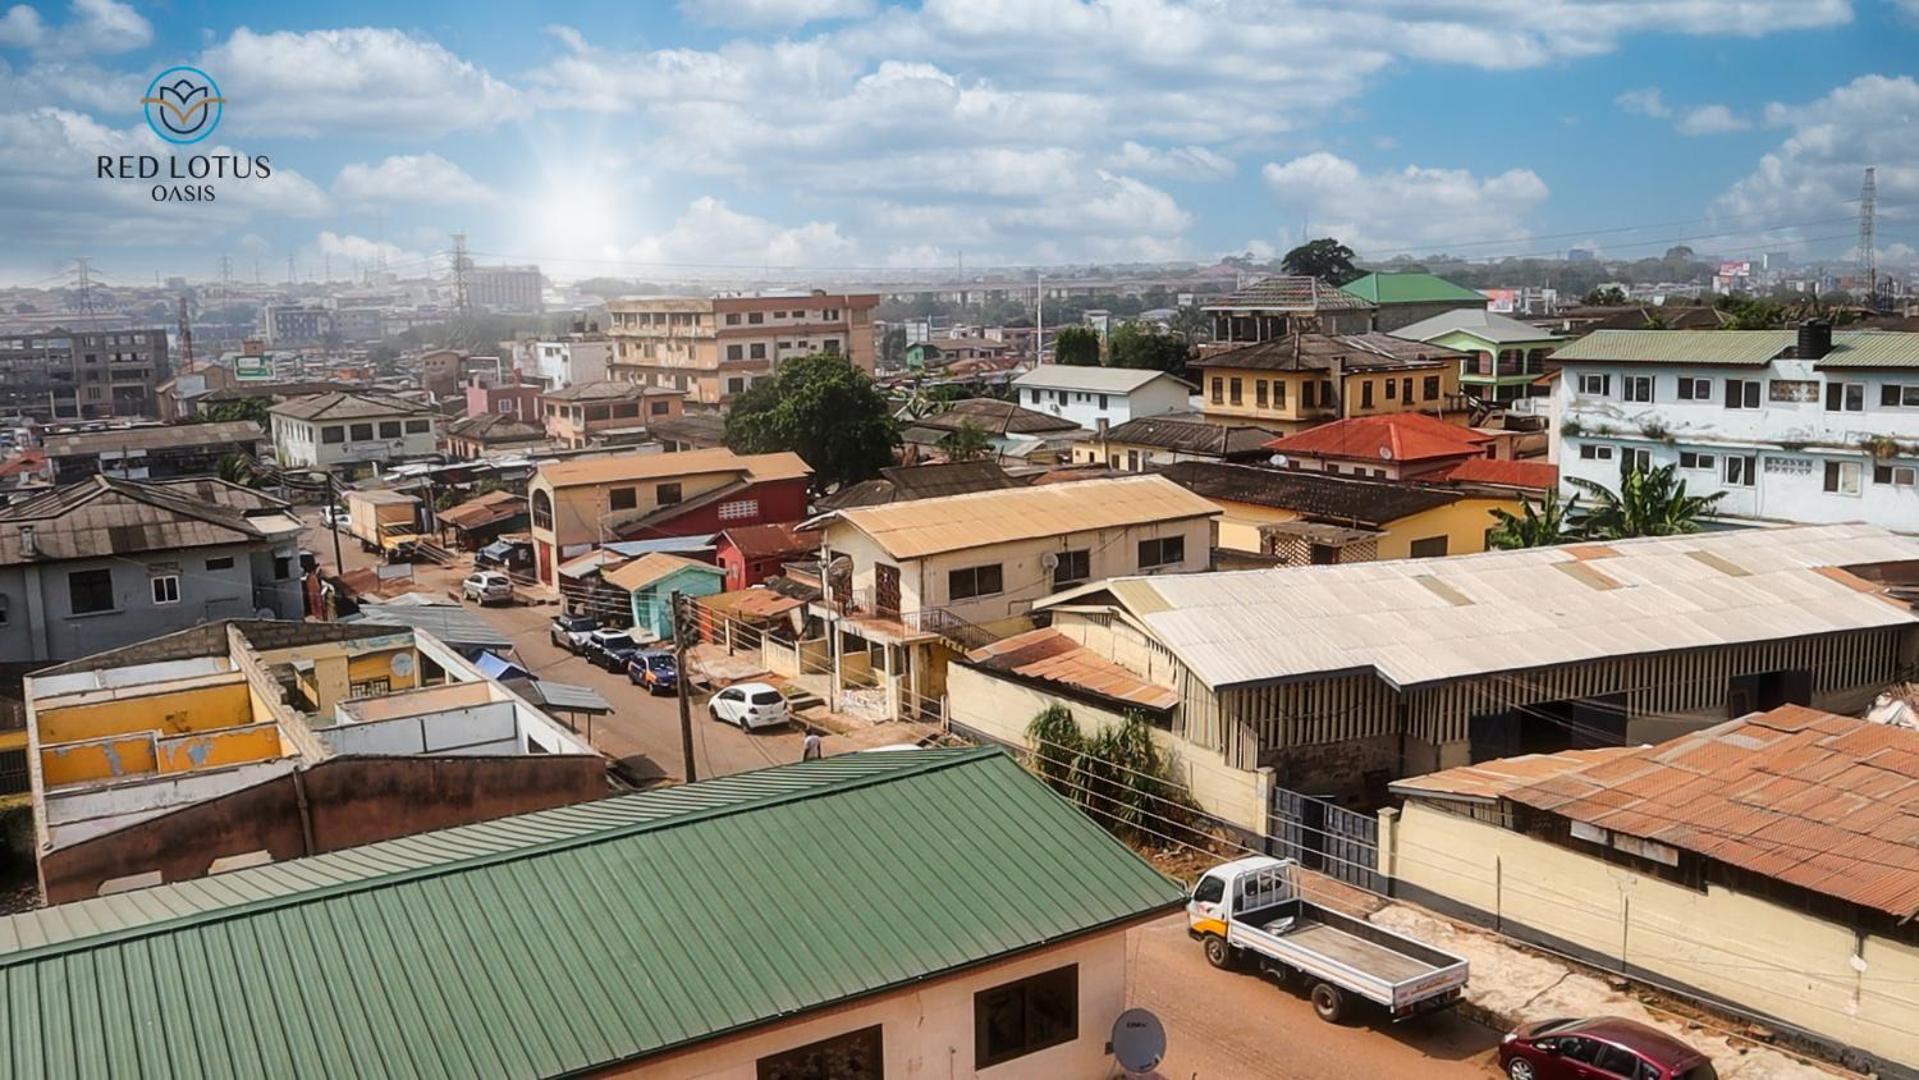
(1489, 780)
(1290, 293)
(482, 510)
(1050, 656)
(100, 516)
(1825, 802)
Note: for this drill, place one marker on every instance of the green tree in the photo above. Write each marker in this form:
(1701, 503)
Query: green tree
(254, 409)
(1543, 524)
(1076, 345)
(1751, 313)
(1610, 296)
(1648, 503)
(969, 443)
(1119, 776)
(893, 348)
(1139, 346)
(237, 469)
(825, 410)
(1327, 259)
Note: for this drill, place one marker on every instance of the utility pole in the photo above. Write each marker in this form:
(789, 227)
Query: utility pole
(682, 630)
(333, 521)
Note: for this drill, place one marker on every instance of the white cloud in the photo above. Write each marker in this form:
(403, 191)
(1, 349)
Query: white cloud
(1414, 209)
(709, 232)
(1807, 188)
(348, 251)
(93, 26)
(1647, 102)
(1184, 162)
(21, 28)
(354, 80)
(775, 14)
(422, 178)
(1711, 120)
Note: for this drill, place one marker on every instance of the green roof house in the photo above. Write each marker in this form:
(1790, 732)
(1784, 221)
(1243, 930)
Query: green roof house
(1508, 356)
(846, 917)
(1406, 298)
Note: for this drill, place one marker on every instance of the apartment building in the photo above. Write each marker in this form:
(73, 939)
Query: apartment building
(296, 324)
(1812, 426)
(325, 431)
(1093, 397)
(1293, 382)
(584, 413)
(65, 374)
(506, 289)
(714, 348)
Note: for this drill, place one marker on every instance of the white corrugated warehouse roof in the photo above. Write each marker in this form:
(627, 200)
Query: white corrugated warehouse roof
(1421, 620)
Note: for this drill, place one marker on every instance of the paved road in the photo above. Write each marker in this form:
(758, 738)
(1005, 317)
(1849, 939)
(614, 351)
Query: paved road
(643, 734)
(1227, 1024)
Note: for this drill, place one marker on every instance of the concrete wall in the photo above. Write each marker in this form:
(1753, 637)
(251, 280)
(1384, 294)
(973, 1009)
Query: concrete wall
(480, 729)
(41, 623)
(1085, 408)
(1758, 955)
(928, 1030)
(350, 801)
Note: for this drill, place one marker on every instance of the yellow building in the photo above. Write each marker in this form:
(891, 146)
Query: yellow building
(1294, 382)
(713, 348)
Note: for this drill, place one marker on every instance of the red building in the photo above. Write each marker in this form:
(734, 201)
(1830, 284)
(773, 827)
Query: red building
(752, 553)
(511, 398)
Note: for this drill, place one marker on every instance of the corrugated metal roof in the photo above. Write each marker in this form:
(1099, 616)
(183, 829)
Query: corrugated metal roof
(1411, 287)
(645, 466)
(910, 530)
(565, 697)
(1289, 293)
(1097, 380)
(341, 405)
(1489, 326)
(1750, 348)
(571, 939)
(1872, 348)
(153, 437)
(454, 625)
(1522, 609)
(1050, 656)
(1488, 780)
(1825, 802)
(651, 569)
(102, 516)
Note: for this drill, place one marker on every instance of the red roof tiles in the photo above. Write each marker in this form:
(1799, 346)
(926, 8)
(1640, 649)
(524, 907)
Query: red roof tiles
(1395, 437)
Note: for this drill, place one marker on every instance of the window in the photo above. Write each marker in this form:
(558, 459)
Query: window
(1232, 392)
(1279, 393)
(1739, 471)
(367, 688)
(1689, 459)
(1596, 385)
(1595, 452)
(1616, 1060)
(732, 318)
(421, 427)
(1027, 1016)
(389, 429)
(1073, 567)
(542, 510)
(1406, 389)
(282, 567)
(856, 1055)
(1033, 395)
(736, 386)
(1210, 890)
(224, 562)
(1637, 388)
(1845, 397)
(1431, 389)
(1842, 477)
(736, 352)
(623, 499)
(831, 346)
(1132, 461)
(334, 434)
(1164, 551)
(89, 591)
(739, 509)
(1366, 394)
(1635, 459)
(1306, 395)
(1259, 393)
(666, 494)
(362, 432)
(1430, 547)
(657, 408)
(1102, 400)
(1742, 394)
(1894, 396)
(1392, 390)
(166, 588)
(1896, 475)
(755, 317)
(1219, 390)
(973, 581)
(757, 350)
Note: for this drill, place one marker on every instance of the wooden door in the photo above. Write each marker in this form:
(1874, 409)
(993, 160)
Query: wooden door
(886, 590)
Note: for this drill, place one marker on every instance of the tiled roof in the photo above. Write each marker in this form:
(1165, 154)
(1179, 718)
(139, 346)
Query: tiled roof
(1050, 656)
(637, 465)
(1392, 437)
(1318, 495)
(1315, 352)
(340, 405)
(1297, 294)
(1411, 287)
(996, 417)
(1192, 436)
(1828, 803)
(909, 530)
(573, 940)
(1533, 475)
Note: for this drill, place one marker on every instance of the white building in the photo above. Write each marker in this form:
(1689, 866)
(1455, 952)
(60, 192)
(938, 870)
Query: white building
(1817, 427)
(1088, 395)
(325, 430)
(569, 361)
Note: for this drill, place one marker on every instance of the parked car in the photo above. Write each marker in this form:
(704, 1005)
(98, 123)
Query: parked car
(569, 631)
(334, 517)
(750, 705)
(654, 670)
(609, 648)
(1599, 1049)
(487, 587)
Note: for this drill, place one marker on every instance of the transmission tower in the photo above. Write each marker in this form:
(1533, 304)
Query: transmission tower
(1868, 204)
(460, 312)
(289, 269)
(186, 338)
(83, 280)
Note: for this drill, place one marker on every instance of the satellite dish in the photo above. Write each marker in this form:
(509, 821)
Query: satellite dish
(1385, 453)
(401, 664)
(1050, 560)
(1139, 1041)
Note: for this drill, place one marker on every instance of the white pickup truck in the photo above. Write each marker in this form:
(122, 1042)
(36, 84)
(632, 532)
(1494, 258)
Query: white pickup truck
(1252, 908)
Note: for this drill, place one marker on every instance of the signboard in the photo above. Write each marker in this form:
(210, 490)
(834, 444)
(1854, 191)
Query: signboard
(253, 368)
(1504, 301)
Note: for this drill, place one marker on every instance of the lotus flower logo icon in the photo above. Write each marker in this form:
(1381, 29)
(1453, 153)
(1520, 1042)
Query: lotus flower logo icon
(183, 105)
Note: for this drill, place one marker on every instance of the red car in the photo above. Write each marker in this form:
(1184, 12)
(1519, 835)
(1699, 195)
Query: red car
(1603, 1048)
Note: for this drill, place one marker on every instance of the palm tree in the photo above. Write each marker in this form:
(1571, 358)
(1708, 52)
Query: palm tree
(969, 443)
(237, 469)
(1649, 503)
(1548, 523)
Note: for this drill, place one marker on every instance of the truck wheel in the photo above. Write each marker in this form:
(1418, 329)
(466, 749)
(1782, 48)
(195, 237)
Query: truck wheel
(1218, 953)
(1329, 1003)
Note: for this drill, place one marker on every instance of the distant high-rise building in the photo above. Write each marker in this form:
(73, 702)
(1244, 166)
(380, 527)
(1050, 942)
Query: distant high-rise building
(514, 290)
(1579, 255)
(82, 374)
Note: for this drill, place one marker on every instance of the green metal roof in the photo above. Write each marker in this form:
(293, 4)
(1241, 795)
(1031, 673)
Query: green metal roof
(1410, 288)
(1751, 348)
(1872, 348)
(573, 938)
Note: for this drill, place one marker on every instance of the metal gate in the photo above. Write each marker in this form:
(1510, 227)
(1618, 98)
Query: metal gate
(1322, 836)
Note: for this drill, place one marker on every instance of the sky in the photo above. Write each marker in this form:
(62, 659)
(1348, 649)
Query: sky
(717, 137)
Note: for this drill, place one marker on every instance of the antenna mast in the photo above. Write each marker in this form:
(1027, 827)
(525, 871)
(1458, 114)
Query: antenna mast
(1868, 204)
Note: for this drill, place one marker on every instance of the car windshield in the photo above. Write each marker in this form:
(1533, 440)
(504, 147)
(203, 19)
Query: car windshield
(659, 662)
(766, 697)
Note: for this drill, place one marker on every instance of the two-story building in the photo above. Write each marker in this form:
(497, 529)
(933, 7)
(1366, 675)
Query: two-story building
(715, 347)
(1407, 297)
(106, 561)
(1504, 357)
(929, 575)
(1091, 396)
(1151, 442)
(1277, 307)
(347, 430)
(582, 414)
(1294, 382)
(1812, 426)
(581, 504)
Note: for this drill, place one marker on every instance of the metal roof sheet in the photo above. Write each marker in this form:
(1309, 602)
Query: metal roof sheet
(1411, 287)
(1488, 326)
(921, 527)
(649, 466)
(1751, 348)
(571, 939)
(653, 568)
(456, 626)
(1523, 610)
(1050, 656)
(1289, 293)
(1872, 348)
(1097, 380)
(153, 437)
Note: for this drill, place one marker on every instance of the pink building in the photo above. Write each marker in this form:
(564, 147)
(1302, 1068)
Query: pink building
(514, 398)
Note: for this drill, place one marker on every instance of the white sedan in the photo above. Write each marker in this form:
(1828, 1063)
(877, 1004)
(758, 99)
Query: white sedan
(751, 705)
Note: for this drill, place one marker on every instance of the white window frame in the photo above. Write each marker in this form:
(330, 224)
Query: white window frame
(1835, 479)
(1628, 455)
(1748, 470)
(1696, 388)
(1702, 461)
(1603, 382)
(171, 583)
(1629, 385)
(1595, 452)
